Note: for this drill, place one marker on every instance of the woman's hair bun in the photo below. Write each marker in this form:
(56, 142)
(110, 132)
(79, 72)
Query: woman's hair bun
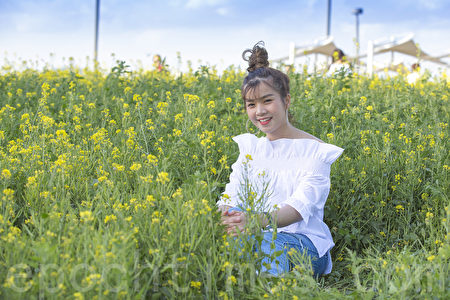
(258, 57)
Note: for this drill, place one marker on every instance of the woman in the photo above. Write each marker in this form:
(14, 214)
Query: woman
(339, 63)
(296, 166)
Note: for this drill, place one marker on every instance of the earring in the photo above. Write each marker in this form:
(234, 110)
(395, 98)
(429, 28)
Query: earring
(246, 127)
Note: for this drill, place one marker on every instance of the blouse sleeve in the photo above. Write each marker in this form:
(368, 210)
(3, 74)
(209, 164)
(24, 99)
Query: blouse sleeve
(310, 195)
(312, 188)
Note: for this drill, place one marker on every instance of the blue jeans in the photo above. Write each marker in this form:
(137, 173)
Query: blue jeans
(295, 248)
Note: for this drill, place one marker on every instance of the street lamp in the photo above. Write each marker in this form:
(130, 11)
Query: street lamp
(328, 17)
(97, 17)
(357, 11)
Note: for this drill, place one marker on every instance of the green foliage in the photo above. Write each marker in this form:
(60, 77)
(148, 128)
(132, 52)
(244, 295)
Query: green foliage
(109, 183)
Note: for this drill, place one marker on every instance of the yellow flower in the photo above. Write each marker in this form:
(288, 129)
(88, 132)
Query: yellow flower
(163, 177)
(330, 136)
(8, 192)
(110, 218)
(431, 257)
(152, 159)
(176, 132)
(248, 157)
(118, 167)
(179, 117)
(232, 279)
(211, 104)
(78, 296)
(196, 284)
(86, 216)
(6, 174)
(135, 167)
(25, 117)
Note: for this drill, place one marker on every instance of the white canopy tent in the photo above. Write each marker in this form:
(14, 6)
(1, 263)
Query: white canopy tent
(404, 45)
(324, 46)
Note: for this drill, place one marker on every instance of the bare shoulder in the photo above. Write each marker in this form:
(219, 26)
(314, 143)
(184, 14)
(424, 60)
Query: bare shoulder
(300, 134)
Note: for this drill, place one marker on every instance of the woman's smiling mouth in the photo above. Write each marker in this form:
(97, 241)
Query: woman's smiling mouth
(264, 121)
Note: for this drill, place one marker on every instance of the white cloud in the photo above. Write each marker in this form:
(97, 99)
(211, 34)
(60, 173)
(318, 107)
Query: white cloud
(201, 3)
(223, 11)
(432, 4)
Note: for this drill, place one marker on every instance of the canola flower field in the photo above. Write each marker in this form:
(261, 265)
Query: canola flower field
(109, 181)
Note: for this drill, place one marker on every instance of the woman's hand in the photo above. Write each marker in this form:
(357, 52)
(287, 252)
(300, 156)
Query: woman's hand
(234, 221)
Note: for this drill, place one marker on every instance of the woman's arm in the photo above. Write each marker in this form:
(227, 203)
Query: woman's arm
(283, 217)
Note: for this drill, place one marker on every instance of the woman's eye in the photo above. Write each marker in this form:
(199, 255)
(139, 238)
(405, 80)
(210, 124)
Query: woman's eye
(268, 100)
(250, 105)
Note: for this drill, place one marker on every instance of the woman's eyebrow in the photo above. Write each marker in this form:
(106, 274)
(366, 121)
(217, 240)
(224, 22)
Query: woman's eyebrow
(265, 96)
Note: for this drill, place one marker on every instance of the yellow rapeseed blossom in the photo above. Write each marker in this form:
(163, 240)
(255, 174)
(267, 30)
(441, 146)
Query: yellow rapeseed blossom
(152, 159)
(118, 167)
(196, 284)
(232, 279)
(176, 132)
(399, 207)
(8, 193)
(86, 216)
(78, 296)
(110, 218)
(6, 174)
(135, 167)
(163, 177)
(178, 117)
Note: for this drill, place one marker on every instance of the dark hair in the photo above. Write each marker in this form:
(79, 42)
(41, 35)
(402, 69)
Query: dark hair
(259, 71)
(338, 54)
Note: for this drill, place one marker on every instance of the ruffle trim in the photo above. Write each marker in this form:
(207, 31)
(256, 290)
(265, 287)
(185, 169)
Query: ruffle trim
(287, 148)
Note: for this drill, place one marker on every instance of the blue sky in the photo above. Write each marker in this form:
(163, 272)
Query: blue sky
(213, 31)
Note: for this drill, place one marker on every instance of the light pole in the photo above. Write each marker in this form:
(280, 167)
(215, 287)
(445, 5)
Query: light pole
(357, 11)
(328, 17)
(97, 17)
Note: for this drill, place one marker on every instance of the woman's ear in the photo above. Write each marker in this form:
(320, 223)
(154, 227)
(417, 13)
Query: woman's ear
(288, 101)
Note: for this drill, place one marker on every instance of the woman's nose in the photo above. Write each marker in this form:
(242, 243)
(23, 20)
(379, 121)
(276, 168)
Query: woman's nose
(260, 109)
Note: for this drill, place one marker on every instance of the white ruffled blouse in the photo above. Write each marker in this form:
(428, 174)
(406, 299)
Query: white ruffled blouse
(293, 172)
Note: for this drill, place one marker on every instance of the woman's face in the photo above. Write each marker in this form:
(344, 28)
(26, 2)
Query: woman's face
(267, 110)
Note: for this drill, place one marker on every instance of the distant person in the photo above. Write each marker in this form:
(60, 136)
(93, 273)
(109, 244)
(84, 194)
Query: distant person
(158, 63)
(339, 62)
(289, 69)
(415, 74)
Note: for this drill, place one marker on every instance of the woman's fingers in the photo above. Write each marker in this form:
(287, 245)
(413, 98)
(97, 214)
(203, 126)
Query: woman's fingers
(228, 220)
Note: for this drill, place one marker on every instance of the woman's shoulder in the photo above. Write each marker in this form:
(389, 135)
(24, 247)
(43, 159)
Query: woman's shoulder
(308, 146)
(303, 135)
(246, 142)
